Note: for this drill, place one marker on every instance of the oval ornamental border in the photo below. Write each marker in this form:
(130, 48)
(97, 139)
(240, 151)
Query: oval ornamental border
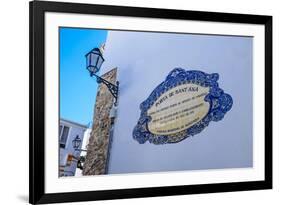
(218, 104)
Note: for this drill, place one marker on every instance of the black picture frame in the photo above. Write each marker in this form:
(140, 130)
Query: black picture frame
(37, 11)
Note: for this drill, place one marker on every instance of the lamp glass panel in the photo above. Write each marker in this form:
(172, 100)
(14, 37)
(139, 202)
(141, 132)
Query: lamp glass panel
(94, 58)
(99, 62)
(88, 58)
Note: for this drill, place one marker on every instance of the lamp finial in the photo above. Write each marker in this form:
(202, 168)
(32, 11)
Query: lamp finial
(102, 48)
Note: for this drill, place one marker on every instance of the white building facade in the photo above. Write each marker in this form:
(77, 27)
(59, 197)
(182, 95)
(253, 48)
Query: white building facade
(84, 148)
(144, 60)
(71, 136)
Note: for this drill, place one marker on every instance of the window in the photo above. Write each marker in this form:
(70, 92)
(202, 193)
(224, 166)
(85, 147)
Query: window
(60, 130)
(64, 136)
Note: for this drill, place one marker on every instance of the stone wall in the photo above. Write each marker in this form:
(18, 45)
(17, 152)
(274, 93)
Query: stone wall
(97, 149)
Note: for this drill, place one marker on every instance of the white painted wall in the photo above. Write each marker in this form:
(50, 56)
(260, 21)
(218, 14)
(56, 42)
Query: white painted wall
(15, 92)
(86, 138)
(144, 59)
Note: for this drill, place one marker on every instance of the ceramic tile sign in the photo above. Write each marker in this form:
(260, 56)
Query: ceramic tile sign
(181, 106)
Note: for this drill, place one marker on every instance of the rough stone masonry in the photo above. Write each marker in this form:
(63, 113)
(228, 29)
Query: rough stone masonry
(97, 149)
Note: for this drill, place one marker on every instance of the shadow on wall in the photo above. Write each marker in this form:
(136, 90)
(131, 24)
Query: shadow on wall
(23, 198)
(126, 82)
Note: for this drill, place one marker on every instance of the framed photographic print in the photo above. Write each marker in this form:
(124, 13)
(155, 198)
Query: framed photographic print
(140, 102)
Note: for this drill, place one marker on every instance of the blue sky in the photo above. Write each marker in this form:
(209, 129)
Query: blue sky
(77, 88)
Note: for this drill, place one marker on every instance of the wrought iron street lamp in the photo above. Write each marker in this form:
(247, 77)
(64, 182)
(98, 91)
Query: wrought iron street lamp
(94, 61)
(76, 142)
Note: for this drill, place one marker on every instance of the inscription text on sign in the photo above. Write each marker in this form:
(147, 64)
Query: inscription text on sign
(181, 106)
(178, 109)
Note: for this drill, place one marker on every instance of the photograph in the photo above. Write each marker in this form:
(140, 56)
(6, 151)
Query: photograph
(136, 101)
(130, 102)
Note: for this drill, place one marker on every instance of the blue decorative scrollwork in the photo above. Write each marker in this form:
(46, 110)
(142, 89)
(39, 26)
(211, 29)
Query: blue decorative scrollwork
(220, 103)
